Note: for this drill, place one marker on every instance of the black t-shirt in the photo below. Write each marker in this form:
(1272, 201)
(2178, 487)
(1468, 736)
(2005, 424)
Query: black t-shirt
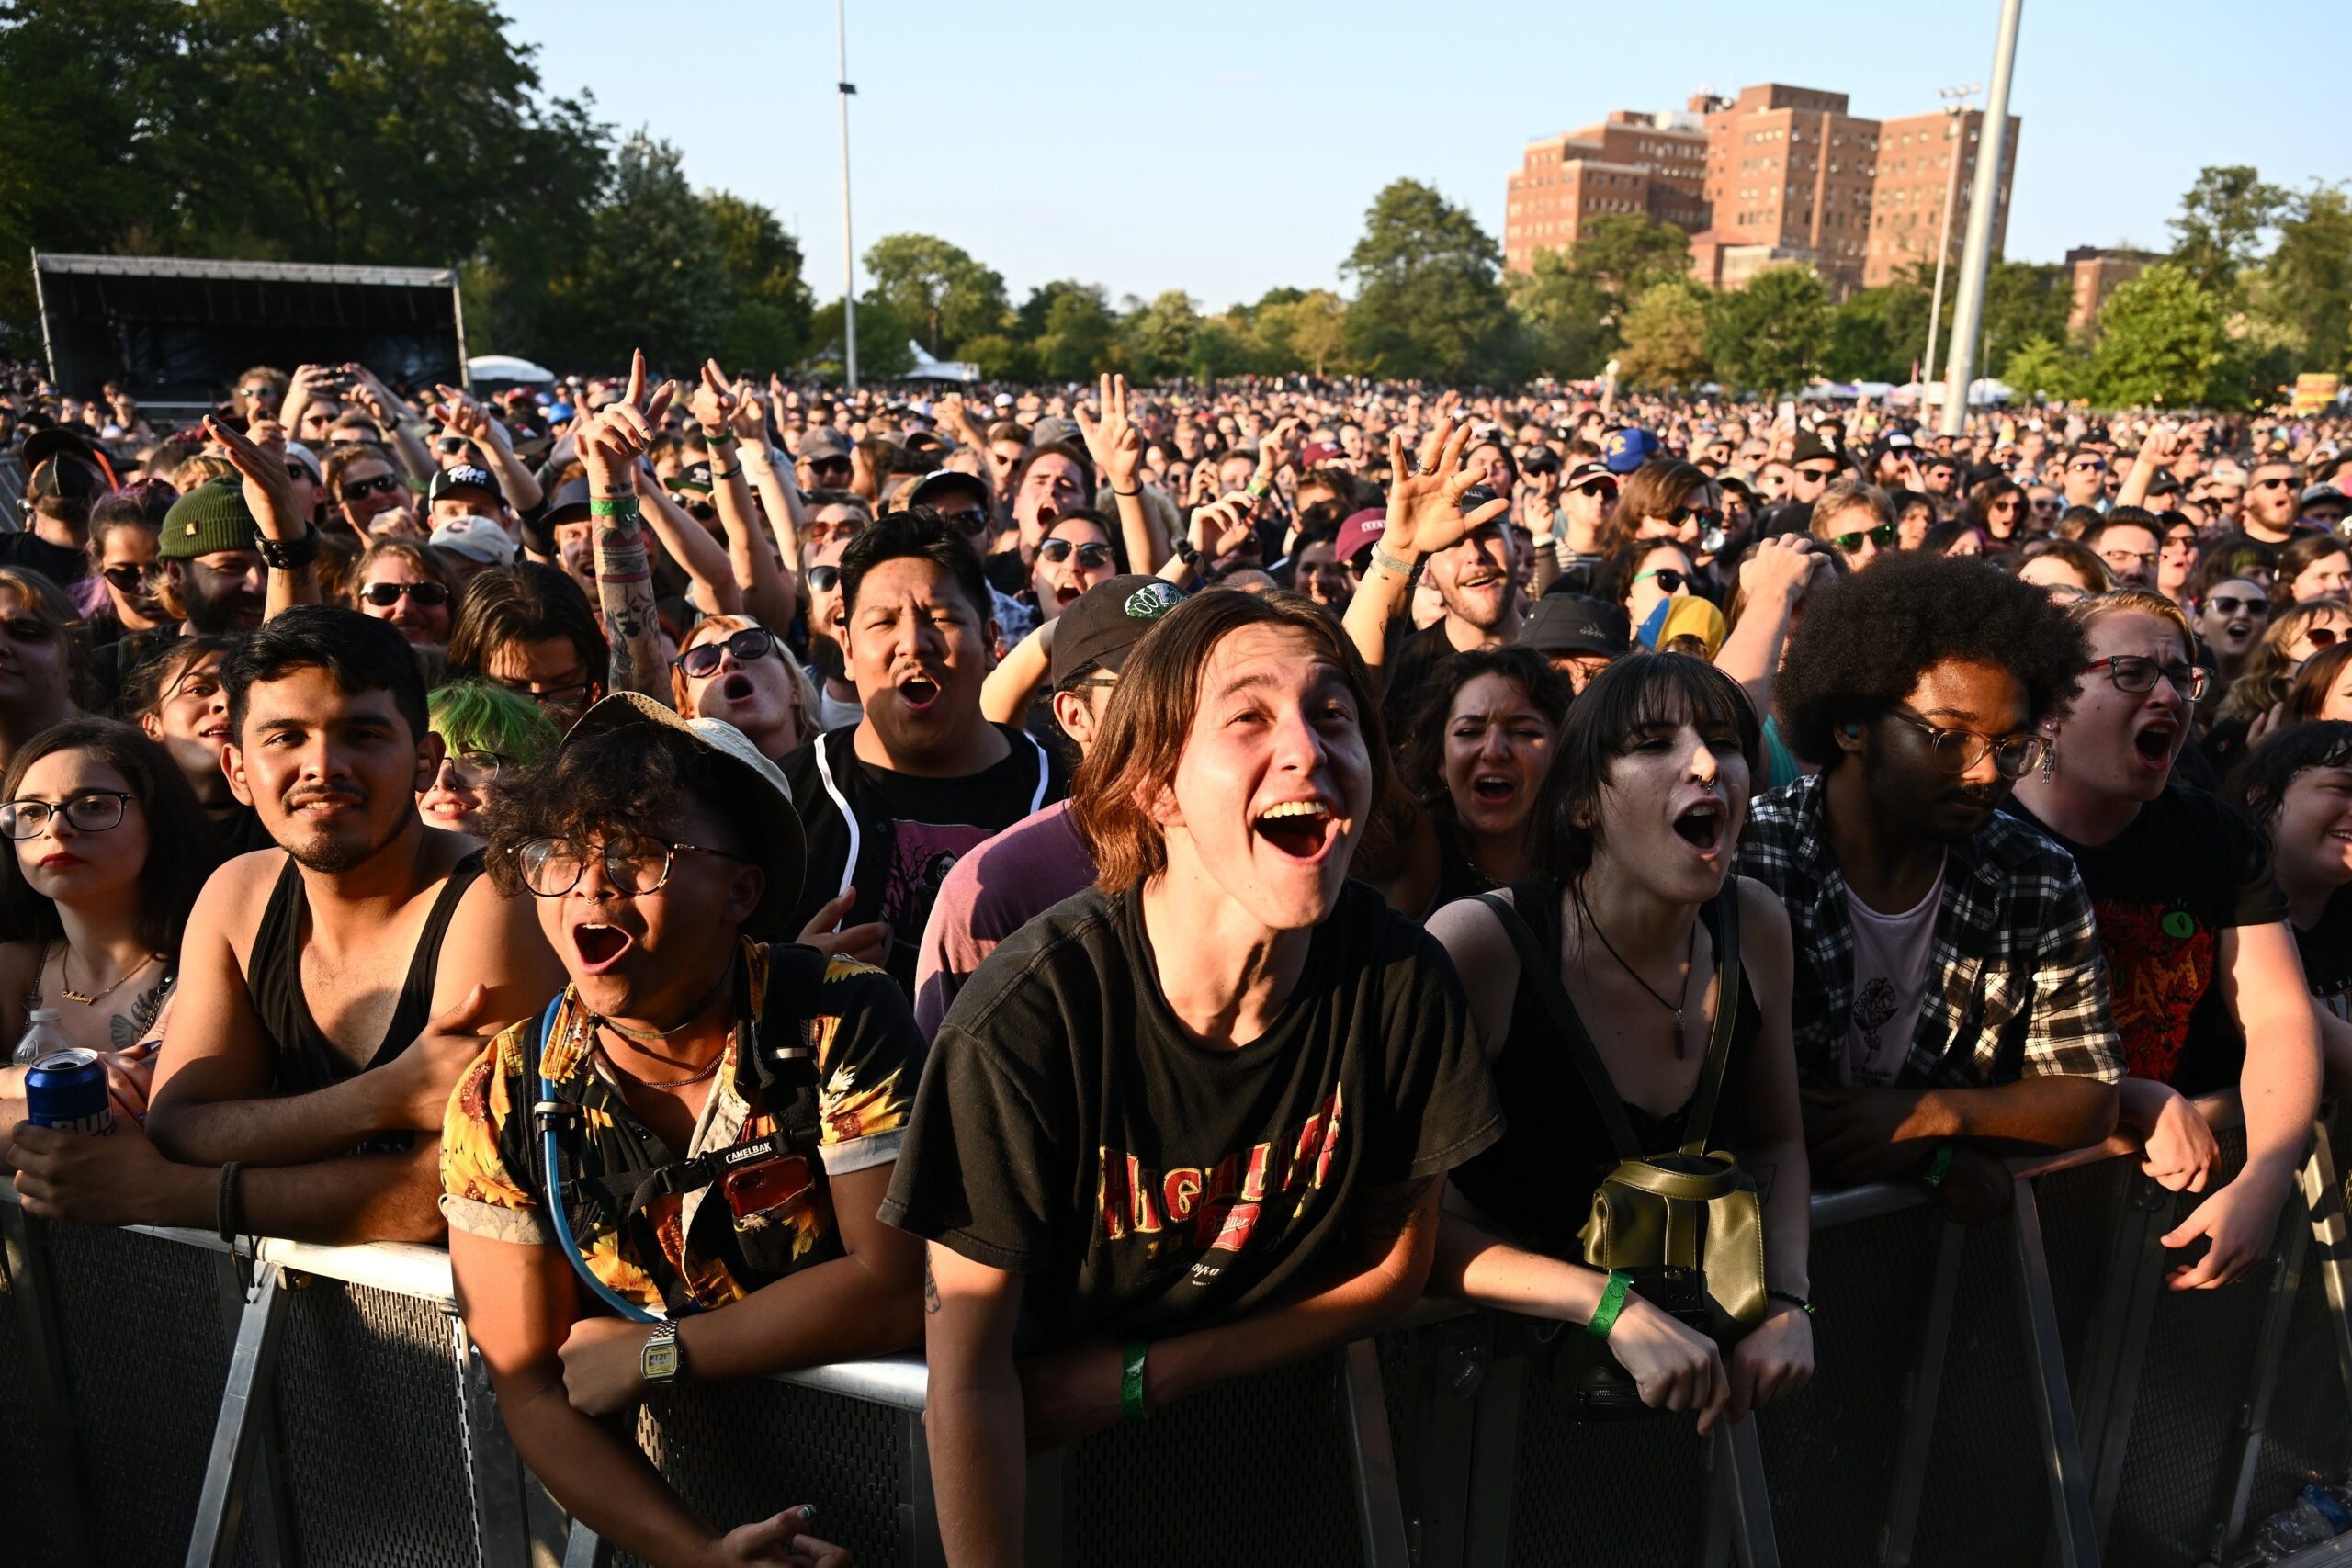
(895, 836)
(61, 564)
(2326, 948)
(1068, 1131)
(2187, 868)
(1415, 657)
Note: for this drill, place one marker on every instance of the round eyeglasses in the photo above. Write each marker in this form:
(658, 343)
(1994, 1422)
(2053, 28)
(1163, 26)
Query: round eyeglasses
(633, 866)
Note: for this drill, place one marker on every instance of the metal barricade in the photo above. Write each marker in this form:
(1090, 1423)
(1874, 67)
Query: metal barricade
(2023, 1391)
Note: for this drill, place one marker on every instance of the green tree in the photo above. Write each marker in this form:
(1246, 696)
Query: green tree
(653, 275)
(1221, 348)
(1306, 331)
(2023, 301)
(2306, 285)
(1771, 335)
(1861, 343)
(2163, 338)
(1624, 254)
(1567, 316)
(1077, 334)
(2043, 367)
(885, 340)
(1000, 357)
(1159, 335)
(768, 328)
(1666, 336)
(939, 286)
(1429, 297)
(2221, 222)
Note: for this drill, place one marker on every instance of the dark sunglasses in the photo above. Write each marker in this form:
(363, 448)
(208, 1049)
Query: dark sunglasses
(1604, 489)
(129, 579)
(824, 579)
(752, 642)
(1707, 516)
(2090, 465)
(2274, 483)
(450, 445)
(1670, 579)
(384, 595)
(967, 523)
(2318, 637)
(382, 484)
(829, 464)
(1883, 537)
(2229, 605)
(1089, 555)
(1825, 475)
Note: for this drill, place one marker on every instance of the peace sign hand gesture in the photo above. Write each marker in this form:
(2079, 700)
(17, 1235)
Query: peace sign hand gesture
(1113, 442)
(612, 440)
(711, 400)
(1425, 511)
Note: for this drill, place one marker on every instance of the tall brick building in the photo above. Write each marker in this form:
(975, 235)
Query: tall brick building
(1777, 173)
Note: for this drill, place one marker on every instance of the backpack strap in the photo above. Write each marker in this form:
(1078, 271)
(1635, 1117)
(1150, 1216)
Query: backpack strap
(1541, 972)
(1728, 986)
(558, 1170)
(785, 1060)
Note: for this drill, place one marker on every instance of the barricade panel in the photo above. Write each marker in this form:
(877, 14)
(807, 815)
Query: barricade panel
(1830, 1452)
(367, 1398)
(744, 1450)
(1603, 1494)
(29, 1513)
(1987, 1499)
(1252, 1471)
(147, 1351)
(2308, 1436)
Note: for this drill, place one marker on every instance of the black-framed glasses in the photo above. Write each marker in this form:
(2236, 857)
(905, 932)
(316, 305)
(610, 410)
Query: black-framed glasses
(1604, 489)
(2276, 481)
(2181, 541)
(633, 865)
(967, 521)
(92, 811)
(382, 484)
(1957, 750)
(560, 696)
(2136, 673)
(1883, 537)
(1823, 475)
(471, 767)
(1092, 556)
(384, 595)
(2124, 560)
(2087, 466)
(752, 642)
(1670, 579)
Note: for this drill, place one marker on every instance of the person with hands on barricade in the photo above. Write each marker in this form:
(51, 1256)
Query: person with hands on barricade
(109, 850)
(1642, 1054)
(330, 990)
(1952, 1002)
(1193, 1123)
(2208, 990)
(672, 1170)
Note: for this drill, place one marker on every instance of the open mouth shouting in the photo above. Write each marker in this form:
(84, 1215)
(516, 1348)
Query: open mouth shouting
(737, 688)
(599, 946)
(1494, 789)
(917, 692)
(1065, 594)
(1701, 825)
(1304, 830)
(2156, 742)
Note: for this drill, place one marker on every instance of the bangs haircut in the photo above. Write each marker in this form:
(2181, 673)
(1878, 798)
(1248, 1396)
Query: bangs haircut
(638, 779)
(1632, 695)
(358, 652)
(2308, 692)
(150, 684)
(1868, 637)
(474, 715)
(2261, 780)
(1148, 721)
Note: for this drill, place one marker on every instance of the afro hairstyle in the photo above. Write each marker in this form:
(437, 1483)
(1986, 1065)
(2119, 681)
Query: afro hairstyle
(1867, 639)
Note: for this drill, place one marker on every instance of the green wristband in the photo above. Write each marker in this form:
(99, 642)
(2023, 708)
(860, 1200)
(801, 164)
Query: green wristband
(1938, 1165)
(1612, 1302)
(623, 508)
(1131, 1405)
(724, 438)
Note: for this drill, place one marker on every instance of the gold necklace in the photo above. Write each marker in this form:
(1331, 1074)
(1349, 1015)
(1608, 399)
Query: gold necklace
(65, 978)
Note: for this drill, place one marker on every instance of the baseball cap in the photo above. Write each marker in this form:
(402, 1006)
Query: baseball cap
(1625, 450)
(783, 852)
(465, 475)
(1003, 401)
(1540, 460)
(1316, 453)
(64, 477)
(1812, 449)
(1578, 622)
(1359, 531)
(941, 482)
(2321, 492)
(823, 441)
(1584, 473)
(693, 476)
(477, 539)
(1107, 620)
(1054, 428)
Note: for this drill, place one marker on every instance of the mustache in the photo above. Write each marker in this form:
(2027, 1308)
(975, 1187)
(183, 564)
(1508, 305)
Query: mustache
(349, 796)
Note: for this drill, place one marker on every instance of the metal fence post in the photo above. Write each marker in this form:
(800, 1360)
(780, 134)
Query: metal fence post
(2053, 1407)
(274, 1537)
(2234, 1480)
(65, 1472)
(1743, 1500)
(1380, 1506)
(2118, 1340)
(502, 1510)
(919, 1542)
(244, 1414)
(1493, 1462)
(2324, 1190)
(1919, 1395)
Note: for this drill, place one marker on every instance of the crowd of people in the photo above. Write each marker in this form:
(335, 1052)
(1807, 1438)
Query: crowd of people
(1121, 890)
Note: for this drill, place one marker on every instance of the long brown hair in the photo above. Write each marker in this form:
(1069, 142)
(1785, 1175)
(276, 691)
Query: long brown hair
(2262, 684)
(1149, 719)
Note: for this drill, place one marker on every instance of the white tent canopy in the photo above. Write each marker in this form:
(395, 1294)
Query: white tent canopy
(507, 367)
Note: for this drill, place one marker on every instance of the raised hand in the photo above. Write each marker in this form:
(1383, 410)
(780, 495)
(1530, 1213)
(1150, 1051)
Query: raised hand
(711, 400)
(1425, 511)
(750, 412)
(1222, 527)
(620, 434)
(268, 487)
(1115, 443)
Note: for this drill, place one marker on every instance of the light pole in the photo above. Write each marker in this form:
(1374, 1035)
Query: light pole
(1955, 126)
(1968, 309)
(848, 253)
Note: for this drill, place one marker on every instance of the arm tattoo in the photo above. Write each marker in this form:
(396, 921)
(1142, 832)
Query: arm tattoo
(930, 1288)
(1385, 1213)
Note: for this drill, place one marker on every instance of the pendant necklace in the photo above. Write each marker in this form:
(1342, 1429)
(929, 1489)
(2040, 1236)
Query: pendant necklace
(1688, 959)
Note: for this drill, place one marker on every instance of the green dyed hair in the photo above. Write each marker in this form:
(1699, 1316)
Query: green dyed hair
(474, 715)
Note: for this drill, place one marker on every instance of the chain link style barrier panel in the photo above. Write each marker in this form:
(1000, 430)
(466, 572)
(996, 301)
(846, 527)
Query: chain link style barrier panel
(2023, 1391)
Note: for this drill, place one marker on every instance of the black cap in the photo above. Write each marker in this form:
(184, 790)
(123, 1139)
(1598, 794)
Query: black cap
(1812, 449)
(940, 481)
(1108, 619)
(1578, 622)
(465, 475)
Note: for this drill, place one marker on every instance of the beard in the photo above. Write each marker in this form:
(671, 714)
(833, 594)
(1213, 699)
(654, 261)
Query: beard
(825, 653)
(330, 856)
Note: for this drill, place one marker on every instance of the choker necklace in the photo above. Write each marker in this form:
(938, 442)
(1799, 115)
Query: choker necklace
(65, 979)
(1689, 957)
(598, 1020)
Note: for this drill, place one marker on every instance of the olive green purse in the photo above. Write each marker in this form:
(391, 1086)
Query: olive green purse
(1686, 1226)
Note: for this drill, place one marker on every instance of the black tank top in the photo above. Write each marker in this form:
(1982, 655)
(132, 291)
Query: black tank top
(1539, 1179)
(306, 1059)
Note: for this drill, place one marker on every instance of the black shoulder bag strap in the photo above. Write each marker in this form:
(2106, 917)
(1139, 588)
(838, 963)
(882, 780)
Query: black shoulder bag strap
(785, 1059)
(1727, 993)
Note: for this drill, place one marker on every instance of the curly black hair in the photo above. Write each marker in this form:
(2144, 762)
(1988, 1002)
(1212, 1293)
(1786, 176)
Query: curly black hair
(2259, 782)
(1867, 639)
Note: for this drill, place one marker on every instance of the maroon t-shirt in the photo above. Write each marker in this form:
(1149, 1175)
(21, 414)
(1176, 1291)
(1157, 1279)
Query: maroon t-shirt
(991, 893)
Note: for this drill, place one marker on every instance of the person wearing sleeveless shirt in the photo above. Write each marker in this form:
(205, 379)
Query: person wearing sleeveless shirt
(317, 1033)
(1647, 792)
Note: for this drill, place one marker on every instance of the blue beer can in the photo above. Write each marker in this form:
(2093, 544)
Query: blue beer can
(67, 1090)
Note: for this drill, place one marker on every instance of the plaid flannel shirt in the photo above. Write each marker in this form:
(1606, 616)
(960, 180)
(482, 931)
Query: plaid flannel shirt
(2018, 983)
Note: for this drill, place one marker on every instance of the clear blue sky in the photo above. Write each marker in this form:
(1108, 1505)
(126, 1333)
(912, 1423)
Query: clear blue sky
(1226, 149)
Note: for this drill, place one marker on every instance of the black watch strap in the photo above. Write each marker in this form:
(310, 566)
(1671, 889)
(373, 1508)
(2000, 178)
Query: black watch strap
(291, 555)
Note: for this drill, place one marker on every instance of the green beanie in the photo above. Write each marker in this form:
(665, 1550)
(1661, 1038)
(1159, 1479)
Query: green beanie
(213, 517)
